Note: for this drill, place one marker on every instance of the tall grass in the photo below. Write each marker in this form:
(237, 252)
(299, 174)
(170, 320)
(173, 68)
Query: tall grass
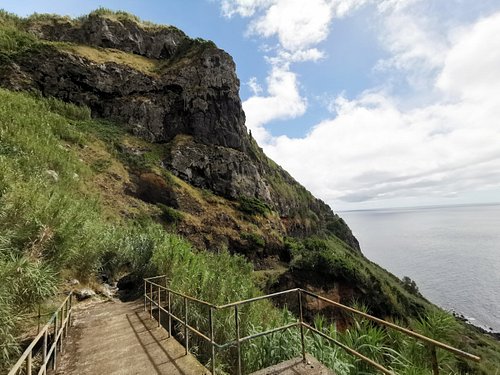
(50, 223)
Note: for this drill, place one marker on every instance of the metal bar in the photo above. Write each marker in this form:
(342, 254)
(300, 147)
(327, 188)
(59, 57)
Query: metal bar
(54, 344)
(434, 360)
(186, 333)
(70, 308)
(398, 328)
(169, 314)
(256, 298)
(238, 342)
(211, 323)
(145, 292)
(301, 323)
(151, 300)
(154, 277)
(44, 353)
(159, 309)
(190, 328)
(184, 295)
(268, 332)
(35, 341)
(61, 334)
(29, 363)
(301, 320)
(351, 351)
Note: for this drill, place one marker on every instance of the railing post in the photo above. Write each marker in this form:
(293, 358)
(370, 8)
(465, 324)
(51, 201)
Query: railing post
(39, 318)
(44, 353)
(434, 361)
(186, 336)
(61, 343)
(159, 310)
(150, 300)
(169, 314)
(70, 309)
(238, 343)
(29, 363)
(54, 359)
(212, 342)
(68, 313)
(301, 317)
(145, 292)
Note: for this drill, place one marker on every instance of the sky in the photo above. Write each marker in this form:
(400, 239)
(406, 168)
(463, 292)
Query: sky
(367, 103)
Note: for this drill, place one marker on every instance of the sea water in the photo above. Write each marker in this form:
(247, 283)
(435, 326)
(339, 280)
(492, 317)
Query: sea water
(451, 252)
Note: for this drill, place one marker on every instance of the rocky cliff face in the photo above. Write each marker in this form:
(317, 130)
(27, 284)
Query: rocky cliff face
(163, 85)
(193, 89)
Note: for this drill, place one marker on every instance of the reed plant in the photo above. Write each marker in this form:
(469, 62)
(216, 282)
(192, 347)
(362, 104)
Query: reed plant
(51, 223)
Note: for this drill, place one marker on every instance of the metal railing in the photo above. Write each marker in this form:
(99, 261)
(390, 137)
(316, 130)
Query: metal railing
(52, 336)
(153, 294)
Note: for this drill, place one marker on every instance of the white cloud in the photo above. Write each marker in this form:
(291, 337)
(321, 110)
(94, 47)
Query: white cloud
(282, 102)
(380, 146)
(298, 24)
(472, 67)
(254, 86)
(285, 57)
(244, 8)
(375, 150)
(416, 40)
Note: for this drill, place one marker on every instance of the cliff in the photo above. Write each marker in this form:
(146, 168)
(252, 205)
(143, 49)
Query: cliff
(168, 112)
(162, 85)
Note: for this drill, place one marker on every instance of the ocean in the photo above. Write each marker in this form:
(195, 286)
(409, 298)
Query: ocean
(451, 252)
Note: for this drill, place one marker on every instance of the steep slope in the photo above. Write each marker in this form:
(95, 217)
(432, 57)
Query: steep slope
(176, 121)
(161, 84)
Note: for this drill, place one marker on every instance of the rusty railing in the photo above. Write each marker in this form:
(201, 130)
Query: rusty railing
(153, 294)
(52, 336)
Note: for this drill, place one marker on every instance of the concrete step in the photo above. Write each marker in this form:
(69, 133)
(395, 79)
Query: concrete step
(297, 366)
(119, 338)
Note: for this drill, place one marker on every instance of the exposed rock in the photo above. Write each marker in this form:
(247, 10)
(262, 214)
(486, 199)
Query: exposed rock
(53, 174)
(102, 31)
(225, 171)
(107, 291)
(199, 98)
(84, 294)
(193, 92)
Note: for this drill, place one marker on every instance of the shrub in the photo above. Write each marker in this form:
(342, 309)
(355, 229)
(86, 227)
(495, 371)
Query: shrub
(253, 206)
(410, 285)
(254, 240)
(169, 214)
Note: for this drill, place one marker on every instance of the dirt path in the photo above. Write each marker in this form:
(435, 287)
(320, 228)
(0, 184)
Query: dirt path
(119, 338)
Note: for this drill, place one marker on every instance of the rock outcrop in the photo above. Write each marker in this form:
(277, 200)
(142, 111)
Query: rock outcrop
(166, 87)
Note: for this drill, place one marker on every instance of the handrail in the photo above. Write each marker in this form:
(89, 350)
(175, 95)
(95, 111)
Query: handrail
(60, 321)
(406, 331)
(300, 323)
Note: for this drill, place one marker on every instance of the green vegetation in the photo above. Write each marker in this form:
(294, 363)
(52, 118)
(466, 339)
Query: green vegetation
(110, 55)
(332, 261)
(13, 40)
(54, 225)
(49, 226)
(256, 241)
(253, 206)
(169, 214)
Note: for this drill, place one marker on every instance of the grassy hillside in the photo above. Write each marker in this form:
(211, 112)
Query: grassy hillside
(81, 197)
(64, 212)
